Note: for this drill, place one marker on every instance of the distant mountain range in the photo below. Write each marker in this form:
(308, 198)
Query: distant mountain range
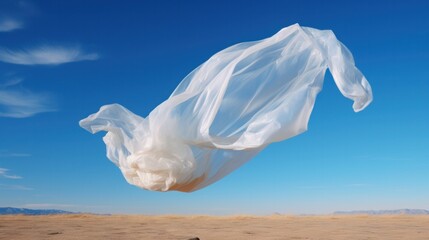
(26, 211)
(386, 212)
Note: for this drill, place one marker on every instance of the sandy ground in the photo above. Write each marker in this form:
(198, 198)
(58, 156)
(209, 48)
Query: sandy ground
(206, 227)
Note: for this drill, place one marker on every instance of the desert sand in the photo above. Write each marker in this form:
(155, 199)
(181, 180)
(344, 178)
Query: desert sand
(81, 226)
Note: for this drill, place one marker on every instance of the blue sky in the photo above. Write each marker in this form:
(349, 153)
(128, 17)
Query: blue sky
(61, 61)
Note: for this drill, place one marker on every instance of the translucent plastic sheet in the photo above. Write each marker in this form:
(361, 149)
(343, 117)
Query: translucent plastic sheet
(228, 109)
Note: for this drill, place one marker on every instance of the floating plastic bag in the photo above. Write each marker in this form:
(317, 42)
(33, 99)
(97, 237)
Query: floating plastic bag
(228, 109)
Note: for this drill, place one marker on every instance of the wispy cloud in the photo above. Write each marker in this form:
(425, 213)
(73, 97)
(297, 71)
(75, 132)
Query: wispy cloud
(8, 24)
(11, 82)
(46, 55)
(7, 154)
(14, 187)
(17, 102)
(4, 173)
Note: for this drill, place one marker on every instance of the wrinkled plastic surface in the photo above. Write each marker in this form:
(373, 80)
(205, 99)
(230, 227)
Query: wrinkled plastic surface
(228, 109)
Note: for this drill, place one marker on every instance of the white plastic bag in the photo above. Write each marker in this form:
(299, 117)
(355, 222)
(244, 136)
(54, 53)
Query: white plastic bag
(228, 109)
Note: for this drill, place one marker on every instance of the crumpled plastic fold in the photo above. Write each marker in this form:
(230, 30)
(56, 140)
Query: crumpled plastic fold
(228, 109)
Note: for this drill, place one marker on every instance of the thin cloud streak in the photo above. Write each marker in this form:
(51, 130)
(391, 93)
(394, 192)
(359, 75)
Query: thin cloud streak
(14, 187)
(22, 103)
(46, 55)
(8, 25)
(6, 154)
(19, 155)
(4, 174)
(11, 82)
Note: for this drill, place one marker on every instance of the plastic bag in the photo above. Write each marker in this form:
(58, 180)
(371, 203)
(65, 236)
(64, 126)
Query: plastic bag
(228, 109)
